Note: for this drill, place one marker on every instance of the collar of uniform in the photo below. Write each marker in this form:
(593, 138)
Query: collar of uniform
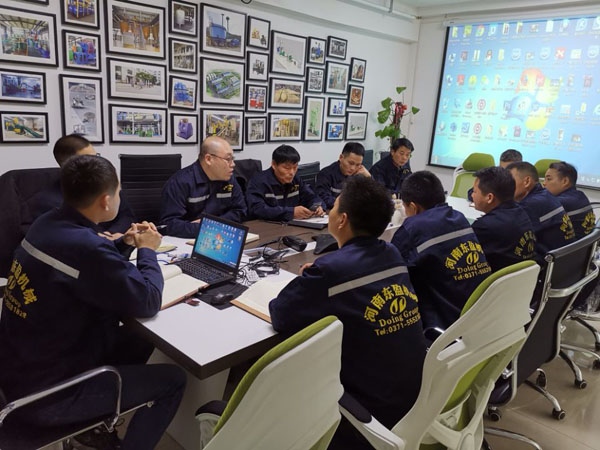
(273, 179)
(75, 216)
(361, 240)
(568, 191)
(389, 161)
(506, 205)
(536, 189)
(199, 174)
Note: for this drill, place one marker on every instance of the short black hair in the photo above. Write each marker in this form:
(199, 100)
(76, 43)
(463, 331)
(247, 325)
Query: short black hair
(368, 205)
(402, 142)
(498, 181)
(565, 169)
(286, 153)
(511, 155)
(524, 168)
(423, 188)
(86, 177)
(353, 147)
(67, 146)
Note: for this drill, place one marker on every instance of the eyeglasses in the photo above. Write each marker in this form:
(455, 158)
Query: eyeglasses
(229, 160)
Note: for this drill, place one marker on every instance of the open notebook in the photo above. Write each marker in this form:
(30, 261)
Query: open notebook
(257, 297)
(178, 285)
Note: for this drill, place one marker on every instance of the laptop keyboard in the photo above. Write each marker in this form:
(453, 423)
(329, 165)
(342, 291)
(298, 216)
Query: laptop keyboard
(200, 271)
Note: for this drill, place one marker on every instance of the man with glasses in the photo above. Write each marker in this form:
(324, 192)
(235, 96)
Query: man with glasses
(206, 186)
(394, 168)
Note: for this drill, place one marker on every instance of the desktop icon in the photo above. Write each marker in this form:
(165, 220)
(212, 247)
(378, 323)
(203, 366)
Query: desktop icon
(445, 103)
(564, 26)
(472, 80)
(489, 55)
(549, 26)
(559, 52)
(534, 28)
(516, 131)
(545, 53)
(464, 56)
(493, 106)
(497, 80)
(545, 134)
(597, 110)
(519, 28)
(465, 127)
(596, 23)
(481, 104)
(516, 54)
(467, 31)
(460, 79)
(581, 24)
(480, 31)
(530, 134)
(561, 134)
(476, 55)
(505, 28)
(452, 57)
(454, 32)
(565, 109)
(593, 51)
(503, 130)
(469, 104)
(492, 29)
(576, 53)
(485, 80)
(453, 127)
(587, 81)
(501, 54)
(477, 128)
(570, 80)
(442, 126)
(576, 138)
(489, 130)
(529, 56)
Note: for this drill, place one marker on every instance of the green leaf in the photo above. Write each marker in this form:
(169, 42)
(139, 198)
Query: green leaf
(400, 89)
(382, 116)
(415, 110)
(386, 103)
(378, 133)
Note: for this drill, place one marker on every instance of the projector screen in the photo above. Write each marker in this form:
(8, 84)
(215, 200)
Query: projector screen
(531, 85)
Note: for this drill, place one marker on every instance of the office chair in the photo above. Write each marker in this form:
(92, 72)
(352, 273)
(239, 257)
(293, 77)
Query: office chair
(308, 172)
(244, 170)
(286, 401)
(368, 159)
(142, 181)
(543, 165)
(464, 175)
(460, 369)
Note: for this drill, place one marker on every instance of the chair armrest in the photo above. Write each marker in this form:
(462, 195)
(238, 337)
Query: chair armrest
(208, 415)
(432, 333)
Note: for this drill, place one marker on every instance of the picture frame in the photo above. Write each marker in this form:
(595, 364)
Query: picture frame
(81, 14)
(39, 2)
(359, 69)
(183, 56)
(81, 51)
(286, 93)
(227, 123)
(257, 66)
(256, 130)
(316, 50)
(183, 92)
(315, 79)
(336, 47)
(334, 131)
(183, 18)
(285, 127)
(336, 106)
(313, 118)
(184, 129)
(24, 127)
(20, 86)
(259, 32)
(138, 124)
(337, 78)
(42, 51)
(356, 126)
(256, 98)
(140, 80)
(288, 53)
(127, 35)
(355, 95)
(222, 81)
(81, 106)
(225, 39)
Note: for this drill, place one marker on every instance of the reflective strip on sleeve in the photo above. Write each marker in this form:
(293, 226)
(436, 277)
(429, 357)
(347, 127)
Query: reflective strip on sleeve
(198, 199)
(51, 261)
(443, 238)
(551, 214)
(368, 279)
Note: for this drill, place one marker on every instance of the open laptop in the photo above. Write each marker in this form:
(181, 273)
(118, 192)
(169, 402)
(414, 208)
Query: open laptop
(217, 251)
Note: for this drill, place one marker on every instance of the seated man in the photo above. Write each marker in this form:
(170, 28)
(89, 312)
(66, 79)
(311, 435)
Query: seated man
(366, 285)
(507, 157)
(278, 194)
(331, 179)
(206, 186)
(394, 168)
(444, 258)
(561, 180)
(505, 231)
(551, 224)
(67, 290)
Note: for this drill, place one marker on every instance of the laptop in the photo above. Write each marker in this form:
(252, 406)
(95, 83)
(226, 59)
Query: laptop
(217, 251)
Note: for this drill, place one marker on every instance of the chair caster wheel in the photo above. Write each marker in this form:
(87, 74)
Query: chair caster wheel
(541, 380)
(580, 384)
(558, 415)
(494, 414)
(596, 365)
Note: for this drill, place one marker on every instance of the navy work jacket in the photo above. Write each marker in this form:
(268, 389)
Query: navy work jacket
(330, 181)
(579, 210)
(386, 173)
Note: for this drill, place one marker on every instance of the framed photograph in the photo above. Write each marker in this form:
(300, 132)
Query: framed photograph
(23, 87)
(39, 2)
(313, 118)
(182, 92)
(136, 124)
(183, 56)
(81, 107)
(135, 29)
(336, 47)
(285, 127)
(288, 53)
(356, 126)
(334, 131)
(336, 107)
(183, 18)
(337, 78)
(256, 130)
(136, 80)
(316, 50)
(256, 98)
(83, 13)
(286, 93)
(355, 96)
(359, 67)
(223, 31)
(257, 66)
(258, 32)
(314, 79)
(228, 124)
(222, 81)
(81, 51)
(184, 129)
(24, 127)
(28, 37)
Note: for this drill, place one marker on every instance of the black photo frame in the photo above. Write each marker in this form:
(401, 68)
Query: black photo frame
(22, 138)
(175, 18)
(356, 73)
(261, 41)
(337, 47)
(352, 96)
(81, 54)
(283, 61)
(82, 109)
(315, 50)
(175, 65)
(135, 138)
(350, 134)
(315, 79)
(257, 66)
(253, 104)
(219, 38)
(282, 116)
(177, 96)
(253, 137)
(180, 134)
(332, 133)
(10, 78)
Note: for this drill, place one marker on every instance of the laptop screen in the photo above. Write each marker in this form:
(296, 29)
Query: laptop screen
(220, 242)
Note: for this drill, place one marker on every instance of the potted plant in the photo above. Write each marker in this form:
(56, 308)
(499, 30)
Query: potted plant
(393, 111)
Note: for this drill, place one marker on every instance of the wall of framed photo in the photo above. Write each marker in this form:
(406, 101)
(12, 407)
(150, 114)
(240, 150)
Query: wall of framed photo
(159, 76)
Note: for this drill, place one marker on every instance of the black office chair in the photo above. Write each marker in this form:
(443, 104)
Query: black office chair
(142, 181)
(368, 159)
(244, 170)
(308, 172)
(383, 155)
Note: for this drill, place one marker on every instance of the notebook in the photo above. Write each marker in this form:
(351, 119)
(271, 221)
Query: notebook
(316, 223)
(256, 299)
(178, 286)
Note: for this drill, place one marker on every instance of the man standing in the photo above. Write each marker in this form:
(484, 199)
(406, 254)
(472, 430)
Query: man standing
(394, 168)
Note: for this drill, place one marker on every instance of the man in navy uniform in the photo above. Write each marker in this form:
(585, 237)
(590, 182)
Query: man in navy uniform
(505, 231)
(560, 181)
(366, 285)
(507, 157)
(394, 168)
(67, 290)
(331, 179)
(278, 194)
(444, 258)
(206, 186)
(551, 224)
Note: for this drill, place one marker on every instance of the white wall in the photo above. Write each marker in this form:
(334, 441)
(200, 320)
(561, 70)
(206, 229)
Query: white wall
(387, 43)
